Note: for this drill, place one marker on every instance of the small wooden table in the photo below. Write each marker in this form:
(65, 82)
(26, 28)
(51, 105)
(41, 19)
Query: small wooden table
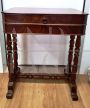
(43, 21)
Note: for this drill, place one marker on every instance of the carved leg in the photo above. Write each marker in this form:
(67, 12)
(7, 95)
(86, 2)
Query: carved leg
(16, 68)
(70, 55)
(74, 69)
(10, 67)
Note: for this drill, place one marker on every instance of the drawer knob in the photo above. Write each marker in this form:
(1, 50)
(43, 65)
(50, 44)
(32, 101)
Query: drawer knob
(45, 21)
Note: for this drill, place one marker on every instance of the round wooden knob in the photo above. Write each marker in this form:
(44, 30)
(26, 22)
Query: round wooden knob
(45, 21)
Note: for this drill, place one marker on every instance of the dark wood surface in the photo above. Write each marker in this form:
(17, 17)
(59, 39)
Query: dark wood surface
(39, 20)
(44, 21)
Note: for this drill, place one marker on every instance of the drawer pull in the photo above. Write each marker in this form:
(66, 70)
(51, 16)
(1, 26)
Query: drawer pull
(45, 21)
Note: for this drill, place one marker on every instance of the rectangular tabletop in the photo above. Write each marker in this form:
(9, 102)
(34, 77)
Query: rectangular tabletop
(41, 20)
(24, 10)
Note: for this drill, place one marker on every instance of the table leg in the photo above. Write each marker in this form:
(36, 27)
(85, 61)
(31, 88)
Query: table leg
(74, 69)
(10, 67)
(16, 68)
(70, 55)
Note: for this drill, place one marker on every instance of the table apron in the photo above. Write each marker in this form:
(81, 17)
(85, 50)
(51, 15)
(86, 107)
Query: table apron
(45, 29)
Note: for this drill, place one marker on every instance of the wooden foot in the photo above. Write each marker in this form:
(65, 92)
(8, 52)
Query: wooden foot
(74, 93)
(74, 97)
(11, 85)
(9, 94)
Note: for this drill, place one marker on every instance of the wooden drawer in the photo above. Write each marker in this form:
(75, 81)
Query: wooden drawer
(45, 19)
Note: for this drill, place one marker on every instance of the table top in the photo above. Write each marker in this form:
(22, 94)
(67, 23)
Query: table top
(24, 10)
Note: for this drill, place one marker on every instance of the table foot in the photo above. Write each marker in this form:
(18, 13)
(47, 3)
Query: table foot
(10, 91)
(11, 84)
(74, 96)
(9, 94)
(74, 93)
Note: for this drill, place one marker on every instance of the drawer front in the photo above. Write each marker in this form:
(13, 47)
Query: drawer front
(45, 19)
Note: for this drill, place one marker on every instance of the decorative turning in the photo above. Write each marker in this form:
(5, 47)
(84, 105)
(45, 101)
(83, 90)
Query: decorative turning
(74, 68)
(10, 67)
(15, 51)
(76, 55)
(70, 56)
(9, 54)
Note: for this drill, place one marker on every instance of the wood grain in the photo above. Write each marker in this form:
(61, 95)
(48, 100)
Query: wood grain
(42, 94)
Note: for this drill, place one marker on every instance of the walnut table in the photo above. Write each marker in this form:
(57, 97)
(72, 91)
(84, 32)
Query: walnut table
(43, 21)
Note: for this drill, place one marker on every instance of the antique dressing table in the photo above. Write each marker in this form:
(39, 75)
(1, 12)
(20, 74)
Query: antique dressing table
(43, 21)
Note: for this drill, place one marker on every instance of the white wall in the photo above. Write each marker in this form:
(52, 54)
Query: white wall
(49, 50)
(85, 61)
(1, 64)
(77, 4)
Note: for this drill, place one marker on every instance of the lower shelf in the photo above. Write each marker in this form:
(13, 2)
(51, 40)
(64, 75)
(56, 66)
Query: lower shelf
(43, 72)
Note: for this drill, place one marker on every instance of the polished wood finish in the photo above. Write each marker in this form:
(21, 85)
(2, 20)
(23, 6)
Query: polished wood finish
(45, 21)
(70, 55)
(40, 20)
(15, 51)
(44, 29)
(44, 94)
(10, 66)
(74, 68)
(42, 76)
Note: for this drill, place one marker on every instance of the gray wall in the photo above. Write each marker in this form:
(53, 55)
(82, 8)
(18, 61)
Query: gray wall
(2, 41)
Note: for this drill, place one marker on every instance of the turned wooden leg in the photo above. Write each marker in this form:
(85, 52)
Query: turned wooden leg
(10, 67)
(70, 55)
(74, 69)
(16, 68)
